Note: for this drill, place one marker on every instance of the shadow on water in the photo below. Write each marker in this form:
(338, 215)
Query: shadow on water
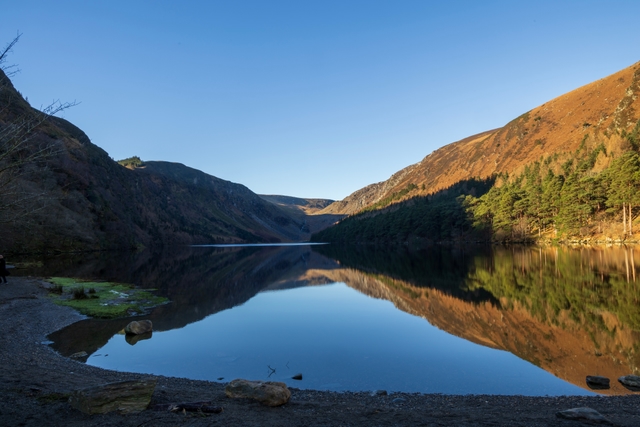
(198, 282)
(445, 269)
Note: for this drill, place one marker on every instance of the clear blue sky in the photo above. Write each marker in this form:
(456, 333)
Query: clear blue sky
(307, 98)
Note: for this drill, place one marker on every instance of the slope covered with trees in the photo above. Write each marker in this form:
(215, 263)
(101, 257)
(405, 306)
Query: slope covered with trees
(565, 170)
(574, 196)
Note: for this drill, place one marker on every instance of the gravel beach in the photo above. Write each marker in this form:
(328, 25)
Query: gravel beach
(35, 383)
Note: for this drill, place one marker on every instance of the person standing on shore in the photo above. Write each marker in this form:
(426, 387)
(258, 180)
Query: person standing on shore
(3, 270)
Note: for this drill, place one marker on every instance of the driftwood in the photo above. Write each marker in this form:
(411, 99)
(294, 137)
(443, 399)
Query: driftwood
(204, 407)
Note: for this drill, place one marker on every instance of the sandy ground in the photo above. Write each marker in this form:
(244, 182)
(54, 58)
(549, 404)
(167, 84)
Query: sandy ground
(35, 382)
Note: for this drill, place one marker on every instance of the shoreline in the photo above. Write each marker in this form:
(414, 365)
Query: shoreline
(35, 382)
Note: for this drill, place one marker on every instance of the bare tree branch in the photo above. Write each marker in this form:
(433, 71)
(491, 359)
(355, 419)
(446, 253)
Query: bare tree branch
(9, 70)
(24, 149)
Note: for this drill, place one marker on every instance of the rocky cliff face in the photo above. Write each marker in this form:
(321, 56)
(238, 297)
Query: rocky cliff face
(602, 109)
(370, 194)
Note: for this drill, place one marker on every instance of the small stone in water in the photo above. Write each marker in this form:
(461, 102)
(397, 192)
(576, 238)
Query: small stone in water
(139, 327)
(297, 377)
(597, 382)
(379, 393)
(632, 382)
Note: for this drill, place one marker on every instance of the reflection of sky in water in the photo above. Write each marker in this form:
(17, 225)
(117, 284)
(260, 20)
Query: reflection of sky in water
(338, 339)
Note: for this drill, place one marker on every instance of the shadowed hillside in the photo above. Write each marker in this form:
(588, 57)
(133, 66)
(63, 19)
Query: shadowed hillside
(75, 197)
(306, 211)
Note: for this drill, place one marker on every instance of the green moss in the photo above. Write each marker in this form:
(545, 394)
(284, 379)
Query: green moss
(106, 299)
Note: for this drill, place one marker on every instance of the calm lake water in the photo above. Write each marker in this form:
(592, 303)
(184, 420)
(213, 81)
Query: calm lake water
(518, 320)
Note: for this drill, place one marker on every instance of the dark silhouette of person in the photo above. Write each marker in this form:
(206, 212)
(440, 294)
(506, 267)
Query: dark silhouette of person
(3, 270)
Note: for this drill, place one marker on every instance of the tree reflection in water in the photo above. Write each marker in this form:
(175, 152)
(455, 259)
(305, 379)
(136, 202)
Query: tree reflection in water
(572, 312)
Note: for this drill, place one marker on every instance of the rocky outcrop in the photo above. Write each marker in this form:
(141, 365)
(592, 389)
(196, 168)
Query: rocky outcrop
(368, 195)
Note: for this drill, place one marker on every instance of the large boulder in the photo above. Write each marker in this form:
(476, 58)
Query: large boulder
(124, 397)
(269, 393)
(139, 327)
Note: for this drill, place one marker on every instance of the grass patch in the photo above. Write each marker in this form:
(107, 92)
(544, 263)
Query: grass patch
(103, 299)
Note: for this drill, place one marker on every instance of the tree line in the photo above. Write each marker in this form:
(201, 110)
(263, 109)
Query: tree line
(437, 217)
(589, 192)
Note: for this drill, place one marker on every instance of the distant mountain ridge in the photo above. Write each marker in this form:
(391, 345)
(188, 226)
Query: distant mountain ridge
(603, 108)
(308, 206)
(307, 211)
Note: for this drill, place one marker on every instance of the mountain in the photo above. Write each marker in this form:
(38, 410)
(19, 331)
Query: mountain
(604, 110)
(306, 211)
(307, 206)
(73, 196)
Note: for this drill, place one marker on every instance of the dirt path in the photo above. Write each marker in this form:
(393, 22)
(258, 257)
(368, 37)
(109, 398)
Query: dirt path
(34, 382)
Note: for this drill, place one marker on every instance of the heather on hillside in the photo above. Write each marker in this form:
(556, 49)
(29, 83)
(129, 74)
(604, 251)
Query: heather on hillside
(560, 197)
(587, 193)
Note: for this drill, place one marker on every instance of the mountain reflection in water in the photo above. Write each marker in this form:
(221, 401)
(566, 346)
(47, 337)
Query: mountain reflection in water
(572, 312)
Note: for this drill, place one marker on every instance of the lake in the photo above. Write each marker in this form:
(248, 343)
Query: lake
(486, 320)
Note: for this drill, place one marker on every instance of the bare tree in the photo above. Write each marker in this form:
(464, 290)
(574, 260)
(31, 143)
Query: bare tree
(9, 70)
(23, 148)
